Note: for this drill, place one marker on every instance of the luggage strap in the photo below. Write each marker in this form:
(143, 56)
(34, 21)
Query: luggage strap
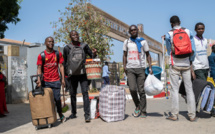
(47, 121)
(38, 122)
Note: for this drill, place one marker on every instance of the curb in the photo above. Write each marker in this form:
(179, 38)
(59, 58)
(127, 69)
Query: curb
(128, 97)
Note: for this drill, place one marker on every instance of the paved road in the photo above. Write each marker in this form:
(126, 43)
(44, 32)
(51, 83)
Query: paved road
(19, 122)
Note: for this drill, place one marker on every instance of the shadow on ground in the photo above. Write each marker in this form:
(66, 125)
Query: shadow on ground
(19, 115)
(201, 114)
(155, 114)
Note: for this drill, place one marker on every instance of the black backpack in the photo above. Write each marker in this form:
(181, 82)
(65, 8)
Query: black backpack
(75, 60)
(44, 57)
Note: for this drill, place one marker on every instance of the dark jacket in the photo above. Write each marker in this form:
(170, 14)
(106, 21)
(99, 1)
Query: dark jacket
(211, 60)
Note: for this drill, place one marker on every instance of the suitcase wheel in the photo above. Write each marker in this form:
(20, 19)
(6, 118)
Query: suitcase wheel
(36, 128)
(50, 125)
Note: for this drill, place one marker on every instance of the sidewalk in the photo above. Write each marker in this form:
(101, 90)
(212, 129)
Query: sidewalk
(19, 122)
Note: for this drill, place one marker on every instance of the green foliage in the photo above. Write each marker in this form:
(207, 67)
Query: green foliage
(8, 14)
(90, 24)
(121, 73)
(167, 66)
(93, 90)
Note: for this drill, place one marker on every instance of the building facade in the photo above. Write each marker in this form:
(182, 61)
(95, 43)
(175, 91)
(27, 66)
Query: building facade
(119, 31)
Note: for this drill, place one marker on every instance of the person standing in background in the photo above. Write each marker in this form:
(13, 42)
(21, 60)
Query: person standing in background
(211, 60)
(3, 106)
(200, 63)
(105, 74)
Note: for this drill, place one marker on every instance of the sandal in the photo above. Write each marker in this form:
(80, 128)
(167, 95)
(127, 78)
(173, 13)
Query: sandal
(143, 115)
(136, 113)
(63, 119)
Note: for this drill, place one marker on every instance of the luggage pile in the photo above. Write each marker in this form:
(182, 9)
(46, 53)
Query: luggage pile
(94, 107)
(206, 99)
(204, 94)
(112, 102)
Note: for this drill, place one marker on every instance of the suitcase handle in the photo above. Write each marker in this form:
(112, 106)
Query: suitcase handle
(36, 90)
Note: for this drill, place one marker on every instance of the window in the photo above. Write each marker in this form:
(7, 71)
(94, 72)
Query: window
(1, 49)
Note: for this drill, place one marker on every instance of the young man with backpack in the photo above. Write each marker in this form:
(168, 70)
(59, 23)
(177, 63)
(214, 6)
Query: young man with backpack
(47, 64)
(200, 63)
(74, 58)
(181, 48)
(135, 48)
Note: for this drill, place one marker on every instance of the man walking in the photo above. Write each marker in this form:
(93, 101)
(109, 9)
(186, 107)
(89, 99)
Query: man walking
(74, 58)
(180, 64)
(47, 63)
(105, 74)
(135, 48)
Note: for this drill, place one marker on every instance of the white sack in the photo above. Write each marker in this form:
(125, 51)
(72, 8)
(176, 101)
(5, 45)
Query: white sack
(152, 85)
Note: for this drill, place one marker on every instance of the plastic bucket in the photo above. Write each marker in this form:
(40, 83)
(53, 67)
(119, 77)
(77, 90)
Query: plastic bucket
(93, 70)
(156, 71)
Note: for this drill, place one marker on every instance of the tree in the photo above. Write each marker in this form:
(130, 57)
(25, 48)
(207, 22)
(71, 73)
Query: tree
(90, 24)
(9, 10)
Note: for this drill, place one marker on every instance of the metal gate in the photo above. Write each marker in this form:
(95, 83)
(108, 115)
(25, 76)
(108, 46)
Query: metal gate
(115, 73)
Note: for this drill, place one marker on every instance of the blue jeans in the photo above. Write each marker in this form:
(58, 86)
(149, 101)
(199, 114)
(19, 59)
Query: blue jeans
(106, 80)
(55, 86)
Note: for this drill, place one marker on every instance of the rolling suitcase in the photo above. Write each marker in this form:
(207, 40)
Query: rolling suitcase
(42, 106)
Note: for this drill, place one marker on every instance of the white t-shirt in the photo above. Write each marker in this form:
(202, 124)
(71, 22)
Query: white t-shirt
(134, 58)
(201, 58)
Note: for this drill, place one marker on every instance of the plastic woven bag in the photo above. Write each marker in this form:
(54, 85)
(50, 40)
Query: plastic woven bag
(152, 85)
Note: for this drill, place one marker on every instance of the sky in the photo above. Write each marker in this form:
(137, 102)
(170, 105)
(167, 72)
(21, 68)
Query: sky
(36, 16)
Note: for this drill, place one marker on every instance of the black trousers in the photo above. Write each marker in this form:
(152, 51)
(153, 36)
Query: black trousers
(136, 79)
(74, 80)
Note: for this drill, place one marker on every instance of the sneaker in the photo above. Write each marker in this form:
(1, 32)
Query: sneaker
(72, 116)
(172, 118)
(194, 119)
(136, 113)
(63, 119)
(143, 115)
(87, 119)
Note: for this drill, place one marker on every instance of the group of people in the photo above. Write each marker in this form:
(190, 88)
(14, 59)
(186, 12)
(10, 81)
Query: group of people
(52, 79)
(194, 65)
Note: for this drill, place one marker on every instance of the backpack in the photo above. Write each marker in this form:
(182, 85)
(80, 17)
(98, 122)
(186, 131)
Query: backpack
(205, 96)
(43, 58)
(181, 46)
(75, 60)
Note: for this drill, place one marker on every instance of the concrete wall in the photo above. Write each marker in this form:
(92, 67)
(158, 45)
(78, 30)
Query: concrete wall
(17, 77)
